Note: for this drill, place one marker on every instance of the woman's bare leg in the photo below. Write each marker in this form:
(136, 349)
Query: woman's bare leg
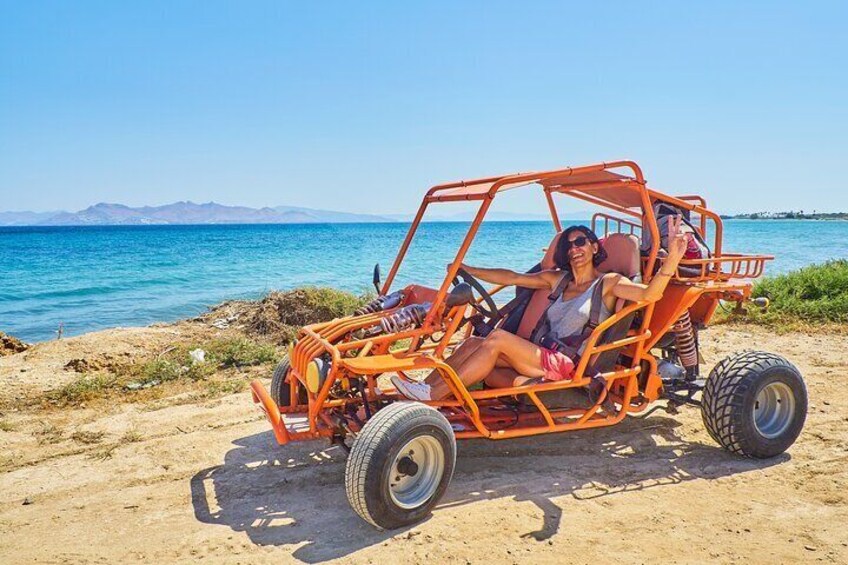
(520, 354)
(502, 377)
(459, 355)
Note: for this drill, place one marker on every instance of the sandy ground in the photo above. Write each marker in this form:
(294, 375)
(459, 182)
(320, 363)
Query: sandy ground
(205, 481)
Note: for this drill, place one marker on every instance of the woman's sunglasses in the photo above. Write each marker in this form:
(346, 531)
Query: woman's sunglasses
(576, 242)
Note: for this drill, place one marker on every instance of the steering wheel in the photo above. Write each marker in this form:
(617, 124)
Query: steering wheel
(490, 309)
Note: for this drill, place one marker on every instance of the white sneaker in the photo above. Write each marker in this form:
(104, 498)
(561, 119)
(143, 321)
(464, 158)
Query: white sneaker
(412, 391)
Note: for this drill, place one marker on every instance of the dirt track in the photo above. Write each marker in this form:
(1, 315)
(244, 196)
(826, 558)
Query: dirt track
(206, 481)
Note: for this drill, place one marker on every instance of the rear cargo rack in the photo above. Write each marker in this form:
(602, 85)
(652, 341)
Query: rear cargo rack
(722, 268)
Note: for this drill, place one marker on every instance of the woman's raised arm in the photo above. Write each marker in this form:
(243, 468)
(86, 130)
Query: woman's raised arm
(542, 279)
(628, 290)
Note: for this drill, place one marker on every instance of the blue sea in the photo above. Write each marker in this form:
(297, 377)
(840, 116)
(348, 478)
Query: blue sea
(90, 278)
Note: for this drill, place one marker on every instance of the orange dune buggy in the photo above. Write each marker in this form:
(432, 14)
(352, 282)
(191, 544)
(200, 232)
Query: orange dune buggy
(403, 453)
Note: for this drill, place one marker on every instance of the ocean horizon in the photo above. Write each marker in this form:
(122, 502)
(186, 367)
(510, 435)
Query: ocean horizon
(88, 278)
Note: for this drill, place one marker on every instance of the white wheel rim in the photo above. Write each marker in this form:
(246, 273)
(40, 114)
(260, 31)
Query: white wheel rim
(774, 409)
(416, 472)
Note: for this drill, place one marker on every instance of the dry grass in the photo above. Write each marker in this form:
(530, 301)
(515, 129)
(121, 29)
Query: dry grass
(225, 387)
(48, 434)
(131, 436)
(250, 342)
(229, 364)
(104, 453)
(83, 388)
(280, 315)
(87, 438)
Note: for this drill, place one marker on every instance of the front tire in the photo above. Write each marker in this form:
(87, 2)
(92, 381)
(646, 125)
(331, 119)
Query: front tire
(400, 465)
(281, 390)
(754, 404)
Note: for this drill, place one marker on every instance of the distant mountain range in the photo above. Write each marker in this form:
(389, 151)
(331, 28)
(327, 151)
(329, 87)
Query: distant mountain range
(24, 218)
(105, 214)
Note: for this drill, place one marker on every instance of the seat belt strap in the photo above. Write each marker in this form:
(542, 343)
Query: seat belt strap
(597, 303)
(560, 287)
(552, 297)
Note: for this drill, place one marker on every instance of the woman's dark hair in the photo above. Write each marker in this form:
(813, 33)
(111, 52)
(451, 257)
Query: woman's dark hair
(561, 253)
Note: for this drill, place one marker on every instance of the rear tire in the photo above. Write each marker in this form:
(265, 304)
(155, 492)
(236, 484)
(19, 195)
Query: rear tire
(400, 465)
(754, 404)
(280, 389)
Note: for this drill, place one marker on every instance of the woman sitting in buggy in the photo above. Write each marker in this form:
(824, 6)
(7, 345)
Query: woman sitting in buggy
(503, 359)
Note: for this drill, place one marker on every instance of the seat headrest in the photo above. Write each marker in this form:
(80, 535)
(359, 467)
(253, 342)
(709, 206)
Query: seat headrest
(622, 254)
(548, 260)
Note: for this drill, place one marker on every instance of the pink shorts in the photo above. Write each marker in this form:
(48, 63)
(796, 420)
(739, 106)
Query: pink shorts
(557, 366)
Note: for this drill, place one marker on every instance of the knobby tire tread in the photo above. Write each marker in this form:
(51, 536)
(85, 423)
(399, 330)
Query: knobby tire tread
(725, 391)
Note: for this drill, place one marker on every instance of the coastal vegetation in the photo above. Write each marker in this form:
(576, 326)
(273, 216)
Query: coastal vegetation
(208, 367)
(812, 298)
(281, 314)
(255, 335)
(791, 215)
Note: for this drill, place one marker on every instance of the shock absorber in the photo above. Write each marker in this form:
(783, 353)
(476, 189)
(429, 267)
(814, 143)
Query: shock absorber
(411, 316)
(383, 302)
(407, 317)
(687, 346)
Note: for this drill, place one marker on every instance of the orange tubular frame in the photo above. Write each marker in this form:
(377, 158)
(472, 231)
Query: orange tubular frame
(631, 387)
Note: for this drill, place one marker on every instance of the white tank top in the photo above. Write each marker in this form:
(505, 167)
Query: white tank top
(567, 318)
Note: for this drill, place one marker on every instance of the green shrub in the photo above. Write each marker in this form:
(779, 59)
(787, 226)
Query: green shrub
(159, 371)
(818, 293)
(812, 297)
(239, 352)
(84, 387)
(310, 305)
(220, 353)
(281, 314)
(172, 368)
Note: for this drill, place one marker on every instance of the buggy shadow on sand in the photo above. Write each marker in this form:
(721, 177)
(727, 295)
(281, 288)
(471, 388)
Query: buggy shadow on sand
(274, 501)
(403, 454)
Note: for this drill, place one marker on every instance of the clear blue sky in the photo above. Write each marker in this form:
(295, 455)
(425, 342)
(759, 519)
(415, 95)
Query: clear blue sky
(361, 107)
